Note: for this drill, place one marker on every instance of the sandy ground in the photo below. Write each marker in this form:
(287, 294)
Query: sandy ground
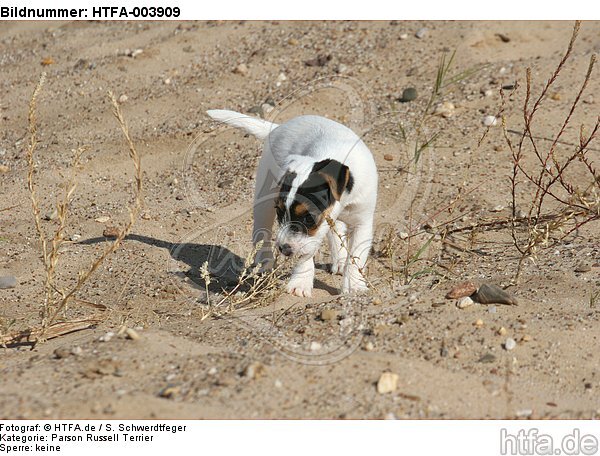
(281, 358)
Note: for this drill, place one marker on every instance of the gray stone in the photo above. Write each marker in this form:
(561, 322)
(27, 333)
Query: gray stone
(408, 94)
(8, 282)
(493, 294)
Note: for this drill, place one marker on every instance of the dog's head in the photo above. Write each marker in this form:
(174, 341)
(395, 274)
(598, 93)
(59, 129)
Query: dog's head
(305, 202)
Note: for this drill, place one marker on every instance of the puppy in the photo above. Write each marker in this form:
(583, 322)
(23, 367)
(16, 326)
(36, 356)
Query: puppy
(313, 172)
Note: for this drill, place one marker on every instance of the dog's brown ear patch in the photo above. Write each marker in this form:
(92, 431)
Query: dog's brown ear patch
(337, 176)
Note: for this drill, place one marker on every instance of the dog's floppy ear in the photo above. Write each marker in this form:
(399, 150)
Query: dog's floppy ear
(285, 183)
(337, 176)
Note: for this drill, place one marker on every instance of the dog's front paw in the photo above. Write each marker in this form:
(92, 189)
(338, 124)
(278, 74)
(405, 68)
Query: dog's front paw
(300, 286)
(338, 266)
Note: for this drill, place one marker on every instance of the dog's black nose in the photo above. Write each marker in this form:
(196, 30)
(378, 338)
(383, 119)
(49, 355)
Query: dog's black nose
(285, 249)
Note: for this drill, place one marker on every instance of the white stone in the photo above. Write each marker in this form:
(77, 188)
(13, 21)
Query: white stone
(490, 121)
(315, 346)
(387, 383)
(464, 302)
(510, 344)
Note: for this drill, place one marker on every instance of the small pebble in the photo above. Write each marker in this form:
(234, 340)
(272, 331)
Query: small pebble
(556, 96)
(479, 323)
(111, 232)
(341, 68)
(107, 337)
(103, 219)
(490, 121)
(77, 351)
(315, 346)
(329, 314)
(7, 282)
(266, 108)
(408, 94)
(464, 302)
(254, 370)
(320, 60)
(520, 214)
(493, 294)
(414, 297)
(461, 289)
(123, 98)
(62, 352)
(169, 391)
(75, 237)
(524, 413)
(403, 36)
(51, 215)
(510, 344)
(212, 371)
(526, 338)
(241, 69)
(132, 334)
(167, 81)
(502, 331)
(493, 309)
(487, 358)
(497, 208)
(388, 157)
(281, 79)
(445, 109)
(486, 91)
(387, 383)
(278, 383)
(369, 346)
(4, 169)
(403, 235)
(421, 33)
(583, 267)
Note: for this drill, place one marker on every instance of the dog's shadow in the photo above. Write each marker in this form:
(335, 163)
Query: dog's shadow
(224, 266)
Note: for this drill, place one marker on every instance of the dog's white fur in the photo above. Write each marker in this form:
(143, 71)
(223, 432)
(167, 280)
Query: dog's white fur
(296, 146)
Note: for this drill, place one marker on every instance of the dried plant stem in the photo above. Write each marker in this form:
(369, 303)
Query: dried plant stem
(549, 174)
(344, 245)
(261, 287)
(134, 211)
(56, 298)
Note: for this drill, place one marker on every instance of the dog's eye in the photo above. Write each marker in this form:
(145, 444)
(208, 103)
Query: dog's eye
(307, 220)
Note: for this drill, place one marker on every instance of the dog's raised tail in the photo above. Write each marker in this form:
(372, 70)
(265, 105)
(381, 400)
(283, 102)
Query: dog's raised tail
(257, 127)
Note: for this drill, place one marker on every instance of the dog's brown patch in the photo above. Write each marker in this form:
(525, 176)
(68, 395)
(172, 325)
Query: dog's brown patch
(300, 209)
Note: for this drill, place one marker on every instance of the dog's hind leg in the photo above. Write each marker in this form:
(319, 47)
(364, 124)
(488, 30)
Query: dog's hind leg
(338, 246)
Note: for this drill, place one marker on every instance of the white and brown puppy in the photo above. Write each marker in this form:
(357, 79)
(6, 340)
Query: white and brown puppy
(312, 169)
